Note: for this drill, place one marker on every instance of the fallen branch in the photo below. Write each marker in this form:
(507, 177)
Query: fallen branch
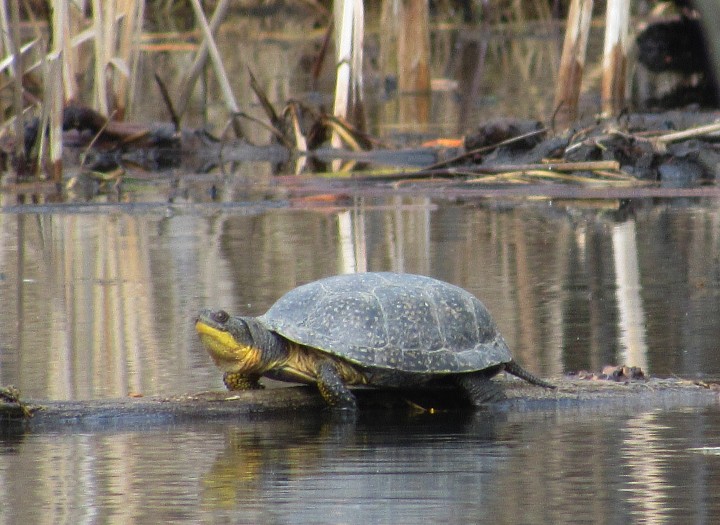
(676, 136)
(549, 166)
(605, 169)
(524, 177)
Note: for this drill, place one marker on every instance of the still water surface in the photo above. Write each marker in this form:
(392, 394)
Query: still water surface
(457, 468)
(98, 303)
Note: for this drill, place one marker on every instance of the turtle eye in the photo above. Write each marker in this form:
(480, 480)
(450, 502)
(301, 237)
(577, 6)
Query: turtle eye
(221, 316)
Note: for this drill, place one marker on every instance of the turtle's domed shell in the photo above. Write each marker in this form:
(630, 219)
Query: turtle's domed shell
(394, 321)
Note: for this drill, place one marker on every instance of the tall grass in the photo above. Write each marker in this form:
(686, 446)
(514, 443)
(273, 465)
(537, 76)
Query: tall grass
(86, 51)
(45, 59)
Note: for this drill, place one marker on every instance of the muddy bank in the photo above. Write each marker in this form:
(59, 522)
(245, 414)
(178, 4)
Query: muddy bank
(572, 395)
(675, 149)
(672, 149)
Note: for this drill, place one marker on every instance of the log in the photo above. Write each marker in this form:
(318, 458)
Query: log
(579, 395)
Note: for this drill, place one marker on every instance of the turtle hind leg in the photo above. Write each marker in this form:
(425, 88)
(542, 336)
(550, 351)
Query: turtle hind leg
(238, 381)
(515, 369)
(479, 389)
(333, 388)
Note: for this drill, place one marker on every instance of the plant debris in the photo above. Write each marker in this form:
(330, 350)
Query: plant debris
(673, 150)
(611, 373)
(10, 404)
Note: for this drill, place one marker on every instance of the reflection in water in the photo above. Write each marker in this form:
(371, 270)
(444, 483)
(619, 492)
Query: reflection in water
(85, 313)
(351, 238)
(320, 470)
(646, 467)
(99, 305)
(100, 477)
(454, 467)
(631, 313)
(257, 456)
(90, 321)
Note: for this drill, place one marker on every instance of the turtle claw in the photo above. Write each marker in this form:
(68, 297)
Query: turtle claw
(237, 381)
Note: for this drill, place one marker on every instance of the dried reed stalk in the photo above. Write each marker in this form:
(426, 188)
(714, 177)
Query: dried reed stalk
(125, 59)
(115, 25)
(218, 66)
(55, 90)
(572, 63)
(102, 12)
(617, 16)
(55, 103)
(200, 60)
(350, 24)
(17, 72)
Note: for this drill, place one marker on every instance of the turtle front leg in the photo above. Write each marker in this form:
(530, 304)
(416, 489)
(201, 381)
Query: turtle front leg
(333, 388)
(240, 381)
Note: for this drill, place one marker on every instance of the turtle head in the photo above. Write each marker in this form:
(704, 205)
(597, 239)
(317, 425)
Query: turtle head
(237, 344)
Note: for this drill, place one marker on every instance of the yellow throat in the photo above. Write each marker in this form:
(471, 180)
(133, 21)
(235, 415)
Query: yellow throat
(226, 352)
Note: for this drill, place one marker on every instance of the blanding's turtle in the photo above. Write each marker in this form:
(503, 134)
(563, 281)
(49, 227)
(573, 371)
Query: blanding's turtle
(383, 330)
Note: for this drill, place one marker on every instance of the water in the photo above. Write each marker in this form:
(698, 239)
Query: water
(99, 303)
(601, 468)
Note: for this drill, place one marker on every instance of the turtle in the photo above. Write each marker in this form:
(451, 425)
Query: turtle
(377, 329)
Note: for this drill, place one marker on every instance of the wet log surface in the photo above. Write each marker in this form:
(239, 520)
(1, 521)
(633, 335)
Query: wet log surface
(146, 412)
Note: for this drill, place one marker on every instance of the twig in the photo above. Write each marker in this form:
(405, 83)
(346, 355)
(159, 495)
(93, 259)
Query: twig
(96, 137)
(264, 101)
(168, 101)
(483, 149)
(281, 136)
(549, 166)
(688, 133)
(521, 177)
(503, 169)
(320, 58)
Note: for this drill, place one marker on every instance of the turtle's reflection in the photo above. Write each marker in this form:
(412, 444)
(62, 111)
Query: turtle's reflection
(283, 458)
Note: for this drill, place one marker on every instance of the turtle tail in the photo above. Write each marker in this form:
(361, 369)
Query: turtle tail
(515, 369)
